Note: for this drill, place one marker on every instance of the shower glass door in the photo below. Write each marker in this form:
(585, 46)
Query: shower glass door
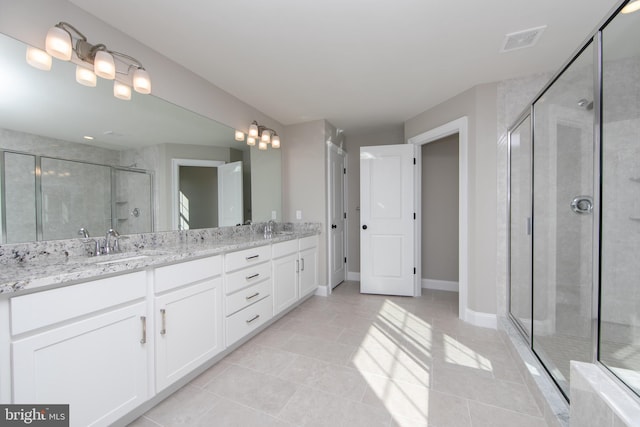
(563, 220)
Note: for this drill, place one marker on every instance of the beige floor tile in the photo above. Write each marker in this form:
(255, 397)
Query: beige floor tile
(309, 407)
(329, 351)
(267, 360)
(207, 376)
(182, 408)
(311, 328)
(490, 416)
(272, 337)
(400, 399)
(333, 379)
(144, 422)
(260, 391)
(230, 414)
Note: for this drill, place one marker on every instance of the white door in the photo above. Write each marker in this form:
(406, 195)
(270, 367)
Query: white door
(387, 220)
(230, 194)
(337, 272)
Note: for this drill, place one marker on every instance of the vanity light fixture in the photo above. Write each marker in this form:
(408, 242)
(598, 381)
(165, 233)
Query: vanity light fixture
(263, 135)
(59, 43)
(239, 135)
(632, 6)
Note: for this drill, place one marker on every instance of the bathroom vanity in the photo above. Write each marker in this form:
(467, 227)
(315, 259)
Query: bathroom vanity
(114, 335)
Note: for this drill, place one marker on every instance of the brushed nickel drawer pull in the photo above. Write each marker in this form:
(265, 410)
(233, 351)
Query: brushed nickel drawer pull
(252, 296)
(249, 258)
(256, 317)
(143, 319)
(253, 276)
(163, 312)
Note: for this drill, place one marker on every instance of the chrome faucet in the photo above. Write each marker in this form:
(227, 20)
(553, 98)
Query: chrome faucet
(83, 232)
(108, 247)
(268, 229)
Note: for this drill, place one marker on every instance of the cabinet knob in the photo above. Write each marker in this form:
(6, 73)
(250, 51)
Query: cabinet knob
(334, 226)
(364, 227)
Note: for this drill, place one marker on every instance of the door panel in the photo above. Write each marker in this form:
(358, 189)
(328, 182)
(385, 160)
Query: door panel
(336, 210)
(563, 223)
(230, 211)
(387, 220)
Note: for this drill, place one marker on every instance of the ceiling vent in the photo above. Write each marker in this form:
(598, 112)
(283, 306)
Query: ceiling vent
(522, 39)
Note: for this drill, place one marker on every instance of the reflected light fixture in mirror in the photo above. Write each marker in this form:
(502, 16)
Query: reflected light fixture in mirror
(59, 44)
(264, 135)
(632, 6)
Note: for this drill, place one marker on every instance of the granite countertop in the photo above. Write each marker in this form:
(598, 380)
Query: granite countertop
(48, 272)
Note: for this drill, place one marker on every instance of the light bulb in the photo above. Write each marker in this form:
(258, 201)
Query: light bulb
(262, 145)
(121, 91)
(142, 81)
(253, 130)
(251, 141)
(266, 136)
(104, 66)
(58, 43)
(631, 7)
(275, 141)
(85, 76)
(239, 135)
(38, 58)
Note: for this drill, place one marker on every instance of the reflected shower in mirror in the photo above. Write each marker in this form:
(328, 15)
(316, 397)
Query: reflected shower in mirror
(48, 114)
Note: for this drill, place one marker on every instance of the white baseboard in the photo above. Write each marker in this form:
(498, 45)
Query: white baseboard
(440, 285)
(322, 291)
(353, 276)
(484, 320)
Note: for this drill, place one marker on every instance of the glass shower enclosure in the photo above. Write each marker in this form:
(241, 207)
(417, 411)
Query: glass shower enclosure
(574, 210)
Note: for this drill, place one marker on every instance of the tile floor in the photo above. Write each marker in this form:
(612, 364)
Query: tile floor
(360, 360)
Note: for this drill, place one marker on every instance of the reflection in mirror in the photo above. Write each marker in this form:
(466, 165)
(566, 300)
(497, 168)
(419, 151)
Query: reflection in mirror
(48, 114)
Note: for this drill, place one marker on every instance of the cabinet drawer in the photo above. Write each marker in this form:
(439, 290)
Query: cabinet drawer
(249, 319)
(284, 248)
(45, 308)
(246, 297)
(247, 277)
(176, 275)
(247, 257)
(308, 242)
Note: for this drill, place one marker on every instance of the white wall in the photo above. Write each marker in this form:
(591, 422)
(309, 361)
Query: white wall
(479, 105)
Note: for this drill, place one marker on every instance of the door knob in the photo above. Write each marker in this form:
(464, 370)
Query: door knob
(364, 227)
(334, 226)
(582, 205)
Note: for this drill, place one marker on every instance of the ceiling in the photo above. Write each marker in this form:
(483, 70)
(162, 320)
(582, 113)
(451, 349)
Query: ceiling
(359, 64)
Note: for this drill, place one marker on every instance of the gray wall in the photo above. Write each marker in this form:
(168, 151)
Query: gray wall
(440, 209)
(479, 105)
(200, 186)
(353, 142)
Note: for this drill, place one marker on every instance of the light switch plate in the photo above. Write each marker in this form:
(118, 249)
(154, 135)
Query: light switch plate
(298, 214)
(274, 214)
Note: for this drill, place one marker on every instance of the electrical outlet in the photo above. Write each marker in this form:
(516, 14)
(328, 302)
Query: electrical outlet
(274, 215)
(298, 214)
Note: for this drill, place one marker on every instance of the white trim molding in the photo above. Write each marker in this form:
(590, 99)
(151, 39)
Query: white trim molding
(322, 291)
(459, 126)
(353, 276)
(440, 285)
(484, 320)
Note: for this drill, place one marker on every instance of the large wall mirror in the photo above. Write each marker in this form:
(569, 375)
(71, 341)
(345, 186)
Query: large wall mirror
(73, 156)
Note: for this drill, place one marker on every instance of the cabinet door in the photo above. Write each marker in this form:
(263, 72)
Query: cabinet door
(97, 366)
(285, 282)
(188, 330)
(308, 271)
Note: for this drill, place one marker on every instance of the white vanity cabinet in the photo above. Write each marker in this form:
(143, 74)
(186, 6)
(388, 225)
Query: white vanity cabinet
(84, 345)
(295, 271)
(188, 317)
(248, 289)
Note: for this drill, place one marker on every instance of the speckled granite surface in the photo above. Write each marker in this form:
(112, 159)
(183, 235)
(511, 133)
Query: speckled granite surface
(44, 264)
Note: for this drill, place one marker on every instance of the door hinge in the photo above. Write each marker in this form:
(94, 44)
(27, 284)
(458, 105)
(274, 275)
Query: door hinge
(414, 160)
(345, 171)
(414, 215)
(345, 260)
(414, 270)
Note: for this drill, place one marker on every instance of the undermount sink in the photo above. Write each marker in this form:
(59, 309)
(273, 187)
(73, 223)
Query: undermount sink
(119, 260)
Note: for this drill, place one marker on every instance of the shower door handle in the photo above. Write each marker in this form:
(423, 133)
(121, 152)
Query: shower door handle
(582, 205)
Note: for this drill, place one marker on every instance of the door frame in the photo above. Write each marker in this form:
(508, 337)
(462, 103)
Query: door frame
(345, 243)
(459, 126)
(175, 182)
